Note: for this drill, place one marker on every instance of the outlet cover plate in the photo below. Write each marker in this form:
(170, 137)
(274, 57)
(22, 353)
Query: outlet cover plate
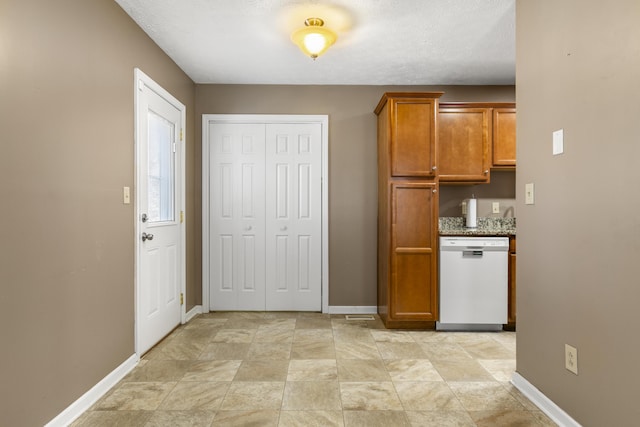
(571, 358)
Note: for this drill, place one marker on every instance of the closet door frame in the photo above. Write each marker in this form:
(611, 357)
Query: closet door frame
(208, 119)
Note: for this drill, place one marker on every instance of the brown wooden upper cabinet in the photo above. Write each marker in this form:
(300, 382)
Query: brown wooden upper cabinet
(464, 139)
(504, 137)
(474, 138)
(412, 132)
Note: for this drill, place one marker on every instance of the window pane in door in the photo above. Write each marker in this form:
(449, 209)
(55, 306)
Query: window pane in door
(160, 179)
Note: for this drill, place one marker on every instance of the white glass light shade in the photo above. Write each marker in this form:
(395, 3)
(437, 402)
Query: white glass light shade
(313, 39)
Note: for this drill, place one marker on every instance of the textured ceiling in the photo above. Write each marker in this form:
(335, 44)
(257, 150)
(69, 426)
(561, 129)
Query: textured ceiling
(380, 42)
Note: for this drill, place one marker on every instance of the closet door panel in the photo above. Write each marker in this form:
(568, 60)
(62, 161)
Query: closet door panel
(237, 216)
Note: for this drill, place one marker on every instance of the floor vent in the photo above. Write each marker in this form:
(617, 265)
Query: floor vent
(359, 317)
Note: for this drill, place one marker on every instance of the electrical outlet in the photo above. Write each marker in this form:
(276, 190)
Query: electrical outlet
(571, 358)
(495, 207)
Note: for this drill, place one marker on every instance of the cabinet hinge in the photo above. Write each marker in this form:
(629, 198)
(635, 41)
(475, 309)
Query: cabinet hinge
(180, 134)
(181, 298)
(181, 217)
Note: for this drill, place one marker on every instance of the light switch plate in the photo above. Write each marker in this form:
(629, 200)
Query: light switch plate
(558, 142)
(126, 195)
(495, 207)
(528, 194)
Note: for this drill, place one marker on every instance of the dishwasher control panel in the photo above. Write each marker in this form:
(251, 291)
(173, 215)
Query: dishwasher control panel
(455, 243)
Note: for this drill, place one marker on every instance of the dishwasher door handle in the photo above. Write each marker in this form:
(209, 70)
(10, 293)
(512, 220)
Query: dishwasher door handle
(472, 253)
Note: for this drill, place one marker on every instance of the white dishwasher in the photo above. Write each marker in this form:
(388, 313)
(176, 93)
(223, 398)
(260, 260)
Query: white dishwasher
(473, 283)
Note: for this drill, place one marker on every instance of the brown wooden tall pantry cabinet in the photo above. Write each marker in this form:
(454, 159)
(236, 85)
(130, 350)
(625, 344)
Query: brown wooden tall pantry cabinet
(408, 209)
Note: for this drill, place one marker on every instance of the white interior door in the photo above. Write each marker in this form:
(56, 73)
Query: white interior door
(160, 232)
(263, 213)
(294, 217)
(237, 206)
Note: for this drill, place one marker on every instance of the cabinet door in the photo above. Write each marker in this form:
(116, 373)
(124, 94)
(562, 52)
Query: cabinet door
(463, 144)
(413, 288)
(413, 137)
(504, 137)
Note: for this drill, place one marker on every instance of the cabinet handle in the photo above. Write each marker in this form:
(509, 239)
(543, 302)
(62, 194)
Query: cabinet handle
(434, 168)
(486, 172)
(435, 190)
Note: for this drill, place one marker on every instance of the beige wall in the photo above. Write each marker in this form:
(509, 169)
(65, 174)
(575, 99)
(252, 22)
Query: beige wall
(578, 68)
(352, 163)
(67, 241)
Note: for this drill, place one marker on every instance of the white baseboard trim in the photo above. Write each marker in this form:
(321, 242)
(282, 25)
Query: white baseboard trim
(545, 404)
(78, 407)
(193, 313)
(353, 309)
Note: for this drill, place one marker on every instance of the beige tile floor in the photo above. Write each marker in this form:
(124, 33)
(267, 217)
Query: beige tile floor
(312, 369)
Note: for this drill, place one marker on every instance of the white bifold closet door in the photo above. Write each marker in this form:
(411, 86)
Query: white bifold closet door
(265, 216)
(237, 212)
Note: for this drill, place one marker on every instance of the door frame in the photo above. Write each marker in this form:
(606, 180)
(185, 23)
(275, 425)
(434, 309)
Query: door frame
(323, 121)
(141, 82)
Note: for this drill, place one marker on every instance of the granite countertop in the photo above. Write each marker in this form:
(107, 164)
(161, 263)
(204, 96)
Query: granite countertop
(456, 226)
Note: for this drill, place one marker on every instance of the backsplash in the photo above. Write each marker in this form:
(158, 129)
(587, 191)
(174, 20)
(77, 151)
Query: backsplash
(485, 208)
(502, 189)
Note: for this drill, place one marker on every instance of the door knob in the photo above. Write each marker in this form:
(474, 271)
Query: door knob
(146, 237)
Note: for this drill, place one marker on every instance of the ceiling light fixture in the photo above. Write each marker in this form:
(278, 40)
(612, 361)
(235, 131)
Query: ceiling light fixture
(314, 39)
